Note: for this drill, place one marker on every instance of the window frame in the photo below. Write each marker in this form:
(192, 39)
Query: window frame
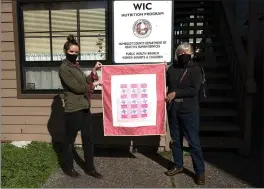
(21, 64)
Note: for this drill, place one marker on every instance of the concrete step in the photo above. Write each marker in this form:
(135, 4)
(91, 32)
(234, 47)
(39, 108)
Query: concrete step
(184, 36)
(206, 112)
(221, 142)
(218, 100)
(218, 126)
(210, 54)
(183, 5)
(179, 12)
(215, 75)
(188, 20)
(204, 45)
(193, 28)
(218, 142)
(215, 65)
(219, 87)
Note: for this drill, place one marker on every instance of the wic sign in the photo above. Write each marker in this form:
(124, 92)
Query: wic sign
(142, 6)
(142, 31)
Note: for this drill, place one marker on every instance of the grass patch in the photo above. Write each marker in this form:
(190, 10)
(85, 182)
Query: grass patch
(27, 167)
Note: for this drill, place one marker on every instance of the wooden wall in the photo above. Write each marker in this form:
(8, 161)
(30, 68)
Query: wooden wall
(27, 119)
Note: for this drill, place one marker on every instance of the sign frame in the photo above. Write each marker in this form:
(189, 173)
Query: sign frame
(113, 30)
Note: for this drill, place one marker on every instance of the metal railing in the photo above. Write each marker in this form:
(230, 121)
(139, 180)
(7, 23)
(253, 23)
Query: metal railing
(238, 65)
(236, 55)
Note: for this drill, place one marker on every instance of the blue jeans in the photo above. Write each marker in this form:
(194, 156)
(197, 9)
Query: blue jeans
(187, 125)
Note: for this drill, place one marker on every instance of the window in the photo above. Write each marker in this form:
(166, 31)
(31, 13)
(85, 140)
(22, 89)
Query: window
(43, 29)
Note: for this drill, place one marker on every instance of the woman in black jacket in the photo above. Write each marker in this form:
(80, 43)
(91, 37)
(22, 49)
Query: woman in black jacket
(184, 81)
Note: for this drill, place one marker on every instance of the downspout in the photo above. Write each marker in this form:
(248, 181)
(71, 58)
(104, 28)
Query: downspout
(250, 84)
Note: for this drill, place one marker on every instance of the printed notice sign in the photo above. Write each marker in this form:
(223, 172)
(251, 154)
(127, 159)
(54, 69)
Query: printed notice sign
(142, 31)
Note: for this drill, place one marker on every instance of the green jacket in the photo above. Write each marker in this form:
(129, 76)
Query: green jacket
(76, 85)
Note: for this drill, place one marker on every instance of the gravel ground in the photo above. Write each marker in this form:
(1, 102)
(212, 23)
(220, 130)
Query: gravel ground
(223, 170)
(215, 177)
(118, 172)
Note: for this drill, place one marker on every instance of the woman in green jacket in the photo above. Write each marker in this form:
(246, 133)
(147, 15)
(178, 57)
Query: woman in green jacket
(77, 98)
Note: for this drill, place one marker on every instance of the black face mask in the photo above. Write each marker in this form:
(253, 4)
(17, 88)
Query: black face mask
(71, 57)
(184, 59)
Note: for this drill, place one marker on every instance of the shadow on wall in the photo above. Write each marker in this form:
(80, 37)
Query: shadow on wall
(105, 146)
(150, 143)
(56, 126)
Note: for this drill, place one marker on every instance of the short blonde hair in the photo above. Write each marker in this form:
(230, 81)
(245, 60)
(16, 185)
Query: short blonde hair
(184, 48)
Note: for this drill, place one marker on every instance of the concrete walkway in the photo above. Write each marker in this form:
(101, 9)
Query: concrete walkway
(145, 171)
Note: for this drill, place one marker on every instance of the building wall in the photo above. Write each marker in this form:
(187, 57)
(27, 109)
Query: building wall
(32, 119)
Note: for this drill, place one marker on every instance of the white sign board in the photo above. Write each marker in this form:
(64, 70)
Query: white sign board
(142, 31)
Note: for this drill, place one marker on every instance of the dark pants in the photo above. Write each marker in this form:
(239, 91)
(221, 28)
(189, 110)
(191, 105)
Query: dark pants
(187, 125)
(78, 121)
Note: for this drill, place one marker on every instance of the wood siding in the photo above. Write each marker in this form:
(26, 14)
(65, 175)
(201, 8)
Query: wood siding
(27, 119)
